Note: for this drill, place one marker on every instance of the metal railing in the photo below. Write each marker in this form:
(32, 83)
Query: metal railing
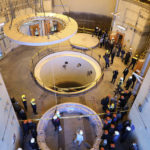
(49, 50)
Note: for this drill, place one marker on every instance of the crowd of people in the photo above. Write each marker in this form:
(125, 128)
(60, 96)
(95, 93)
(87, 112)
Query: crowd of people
(29, 127)
(114, 49)
(116, 128)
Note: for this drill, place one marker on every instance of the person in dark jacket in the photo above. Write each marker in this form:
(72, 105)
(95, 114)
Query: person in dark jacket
(111, 129)
(106, 57)
(100, 33)
(114, 77)
(56, 122)
(125, 73)
(22, 114)
(33, 144)
(25, 128)
(126, 132)
(116, 136)
(119, 50)
(122, 54)
(105, 102)
(133, 62)
(106, 125)
(113, 53)
(127, 57)
(128, 83)
(133, 80)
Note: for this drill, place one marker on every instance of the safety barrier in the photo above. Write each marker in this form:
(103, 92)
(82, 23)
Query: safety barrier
(49, 50)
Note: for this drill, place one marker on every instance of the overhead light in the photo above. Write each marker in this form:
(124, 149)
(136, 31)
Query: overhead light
(121, 27)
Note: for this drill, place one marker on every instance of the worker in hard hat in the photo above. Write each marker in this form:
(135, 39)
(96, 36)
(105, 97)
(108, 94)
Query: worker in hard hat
(19, 148)
(56, 123)
(33, 104)
(24, 101)
(133, 62)
(125, 73)
(33, 144)
(79, 137)
(128, 83)
(120, 83)
(58, 114)
(127, 57)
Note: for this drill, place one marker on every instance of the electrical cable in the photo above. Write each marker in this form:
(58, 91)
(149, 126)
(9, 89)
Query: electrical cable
(64, 9)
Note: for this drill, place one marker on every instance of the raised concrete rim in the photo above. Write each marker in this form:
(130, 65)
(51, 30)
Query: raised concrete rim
(77, 42)
(95, 119)
(69, 30)
(91, 85)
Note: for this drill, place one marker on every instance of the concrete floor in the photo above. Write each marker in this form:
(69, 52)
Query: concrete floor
(15, 69)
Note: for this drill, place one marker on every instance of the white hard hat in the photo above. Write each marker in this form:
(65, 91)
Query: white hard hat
(117, 133)
(121, 78)
(32, 140)
(81, 132)
(55, 117)
(57, 112)
(105, 141)
(128, 128)
(19, 149)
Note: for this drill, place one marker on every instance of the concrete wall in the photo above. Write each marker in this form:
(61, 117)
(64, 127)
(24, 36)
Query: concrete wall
(141, 120)
(9, 125)
(101, 7)
(133, 16)
(88, 13)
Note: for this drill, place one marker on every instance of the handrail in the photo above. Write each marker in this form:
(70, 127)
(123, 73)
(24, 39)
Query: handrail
(46, 51)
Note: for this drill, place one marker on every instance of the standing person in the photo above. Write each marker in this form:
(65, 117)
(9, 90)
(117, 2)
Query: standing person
(112, 146)
(112, 44)
(25, 128)
(33, 144)
(111, 129)
(113, 53)
(33, 104)
(116, 136)
(79, 137)
(127, 57)
(125, 73)
(126, 132)
(95, 31)
(22, 115)
(119, 50)
(56, 122)
(133, 62)
(101, 42)
(24, 101)
(114, 77)
(128, 83)
(99, 33)
(106, 57)
(122, 54)
(133, 80)
(103, 143)
(105, 102)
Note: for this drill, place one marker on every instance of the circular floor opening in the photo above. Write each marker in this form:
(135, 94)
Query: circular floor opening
(71, 121)
(67, 72)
